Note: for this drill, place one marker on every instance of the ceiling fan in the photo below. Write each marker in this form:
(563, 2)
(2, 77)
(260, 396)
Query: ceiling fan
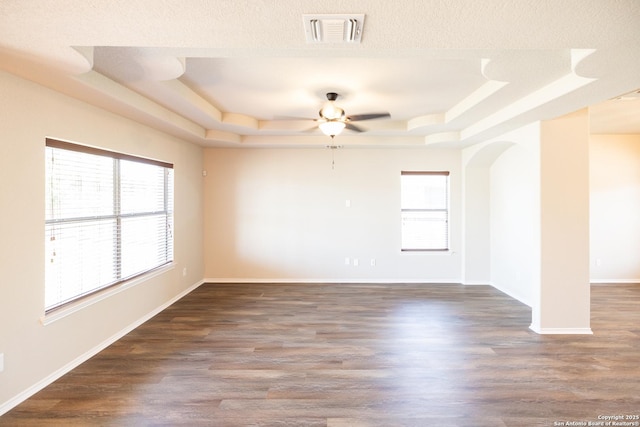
(333, 119)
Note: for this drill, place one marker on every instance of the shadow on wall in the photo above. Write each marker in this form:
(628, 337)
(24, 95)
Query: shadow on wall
(477, 210)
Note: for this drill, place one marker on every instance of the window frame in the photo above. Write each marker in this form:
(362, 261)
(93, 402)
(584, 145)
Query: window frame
(118, 216)
(446, 211)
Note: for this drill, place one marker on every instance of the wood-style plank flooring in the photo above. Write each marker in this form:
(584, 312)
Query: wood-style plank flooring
(341, 355)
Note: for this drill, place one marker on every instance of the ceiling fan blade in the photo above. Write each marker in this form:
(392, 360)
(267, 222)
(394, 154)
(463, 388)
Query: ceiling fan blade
(358, 117)
(353, 127)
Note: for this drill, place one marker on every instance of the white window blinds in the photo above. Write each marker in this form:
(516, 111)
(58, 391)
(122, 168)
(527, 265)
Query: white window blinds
(425, 211)
(109, 217)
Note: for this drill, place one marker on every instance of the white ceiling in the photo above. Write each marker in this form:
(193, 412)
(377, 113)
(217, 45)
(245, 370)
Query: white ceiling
(241, 73)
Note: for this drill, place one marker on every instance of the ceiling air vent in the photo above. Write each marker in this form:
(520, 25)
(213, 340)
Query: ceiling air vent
(333, 28)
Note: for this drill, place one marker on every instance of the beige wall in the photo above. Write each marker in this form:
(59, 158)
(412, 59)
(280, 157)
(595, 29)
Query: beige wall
(281, 214)
(476, 226)
(34, 353)
(615, 208)
(515, 216)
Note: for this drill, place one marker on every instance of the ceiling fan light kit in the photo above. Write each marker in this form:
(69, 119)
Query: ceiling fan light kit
(329, 110)
(333, 119)
(332, 128)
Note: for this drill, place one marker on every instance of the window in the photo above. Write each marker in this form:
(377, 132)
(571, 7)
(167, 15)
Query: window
(425, 211)
(109, 217)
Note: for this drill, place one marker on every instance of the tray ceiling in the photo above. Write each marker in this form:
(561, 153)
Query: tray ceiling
(242, 73)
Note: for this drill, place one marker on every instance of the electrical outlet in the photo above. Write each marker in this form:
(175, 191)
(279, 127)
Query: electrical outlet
(373, 262)
(184, 272)
(355, 262)
(1, 362)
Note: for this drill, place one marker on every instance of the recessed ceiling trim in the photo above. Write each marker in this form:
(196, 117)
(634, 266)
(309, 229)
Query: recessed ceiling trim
(333, 28)
(631, 96)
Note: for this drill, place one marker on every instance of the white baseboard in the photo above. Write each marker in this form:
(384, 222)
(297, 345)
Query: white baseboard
(561, 331)
(616, 281)
(232, 280)
(15, 401)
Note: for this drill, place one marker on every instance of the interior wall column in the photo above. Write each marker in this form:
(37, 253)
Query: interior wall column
(562, 302)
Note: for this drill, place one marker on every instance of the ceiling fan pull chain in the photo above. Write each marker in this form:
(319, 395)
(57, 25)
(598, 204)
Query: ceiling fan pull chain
(333, 158)
(333, 149)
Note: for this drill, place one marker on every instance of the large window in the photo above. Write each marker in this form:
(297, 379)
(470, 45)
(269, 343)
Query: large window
(425, 211)
(109, 218)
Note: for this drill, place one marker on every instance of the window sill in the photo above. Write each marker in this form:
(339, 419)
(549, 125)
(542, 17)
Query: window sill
(73, 307)
(428, 251)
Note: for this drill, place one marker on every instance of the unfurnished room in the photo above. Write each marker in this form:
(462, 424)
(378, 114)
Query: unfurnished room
(327, 213)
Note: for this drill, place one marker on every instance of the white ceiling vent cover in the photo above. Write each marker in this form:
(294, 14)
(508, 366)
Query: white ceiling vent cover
(333, 28)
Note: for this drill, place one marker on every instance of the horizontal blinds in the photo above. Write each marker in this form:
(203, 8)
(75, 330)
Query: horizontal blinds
(425, 210)
(108, 217)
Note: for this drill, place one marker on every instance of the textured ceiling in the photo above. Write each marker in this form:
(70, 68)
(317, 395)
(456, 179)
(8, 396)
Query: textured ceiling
(240, 73)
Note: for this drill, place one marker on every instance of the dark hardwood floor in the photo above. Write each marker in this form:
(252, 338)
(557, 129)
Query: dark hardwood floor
(353, 355)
